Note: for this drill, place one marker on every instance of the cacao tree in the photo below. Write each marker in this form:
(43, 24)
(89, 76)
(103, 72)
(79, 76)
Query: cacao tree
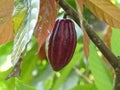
(59, 45)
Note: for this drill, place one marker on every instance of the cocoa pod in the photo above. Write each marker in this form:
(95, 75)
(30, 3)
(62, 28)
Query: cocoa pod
(61, 43)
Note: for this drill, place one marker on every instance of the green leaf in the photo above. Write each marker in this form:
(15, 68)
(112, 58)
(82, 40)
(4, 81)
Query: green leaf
(66, 71)
(5, 64)
(20, 86)
(45, 75)
(48, 83)
(70, 82)
(3, 74)
(29, 63)
(5, 51)
(24, 34)
(14, 84)
(7, 84)
(102, 77)
(115, 42)
(72, 3)
(18, 18)
(85, 87)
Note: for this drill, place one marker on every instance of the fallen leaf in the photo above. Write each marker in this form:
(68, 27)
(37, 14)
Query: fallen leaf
(47, 16)
(6, 27)
(105, 11)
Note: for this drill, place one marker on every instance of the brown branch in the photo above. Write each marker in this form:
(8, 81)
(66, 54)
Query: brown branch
(101, 45)
(113, 60)
(117, 78)
(70, 11)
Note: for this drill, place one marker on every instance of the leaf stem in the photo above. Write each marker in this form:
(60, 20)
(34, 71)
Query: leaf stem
(82, 75)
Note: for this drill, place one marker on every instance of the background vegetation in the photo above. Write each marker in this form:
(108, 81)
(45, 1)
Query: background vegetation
(94, 73)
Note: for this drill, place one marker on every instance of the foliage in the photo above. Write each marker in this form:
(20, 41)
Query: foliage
(81, 73)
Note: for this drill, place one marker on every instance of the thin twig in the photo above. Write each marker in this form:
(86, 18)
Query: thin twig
(82, 75)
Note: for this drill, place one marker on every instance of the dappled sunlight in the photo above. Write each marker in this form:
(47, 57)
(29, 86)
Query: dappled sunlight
(6, 65)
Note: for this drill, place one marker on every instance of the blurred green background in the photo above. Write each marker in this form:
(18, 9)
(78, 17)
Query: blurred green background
(79, 74)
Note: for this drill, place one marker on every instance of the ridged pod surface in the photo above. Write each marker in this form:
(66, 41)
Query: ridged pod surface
(61, 44)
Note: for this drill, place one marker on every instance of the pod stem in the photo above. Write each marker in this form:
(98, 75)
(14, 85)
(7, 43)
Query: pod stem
(65, 15)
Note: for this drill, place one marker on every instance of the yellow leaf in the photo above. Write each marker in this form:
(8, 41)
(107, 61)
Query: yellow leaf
(105, 11)
(6, 27)
(18, 19)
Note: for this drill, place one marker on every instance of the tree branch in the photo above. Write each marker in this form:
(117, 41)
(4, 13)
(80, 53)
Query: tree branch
(113, 60)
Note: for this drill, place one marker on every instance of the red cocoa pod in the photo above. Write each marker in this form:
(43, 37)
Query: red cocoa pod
(61, 44)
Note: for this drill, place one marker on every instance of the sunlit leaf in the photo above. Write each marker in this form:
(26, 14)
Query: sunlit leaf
(28, 69)
(105, 11)
(4, 73)
(7, 84)
(102, 77)
(85, 87)
(26, 28)
(47, 16)
(14, 84)
(5, 51)
(115, 42)
(5, 64)
(6, 27)
(18, 18)
(21, 86)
